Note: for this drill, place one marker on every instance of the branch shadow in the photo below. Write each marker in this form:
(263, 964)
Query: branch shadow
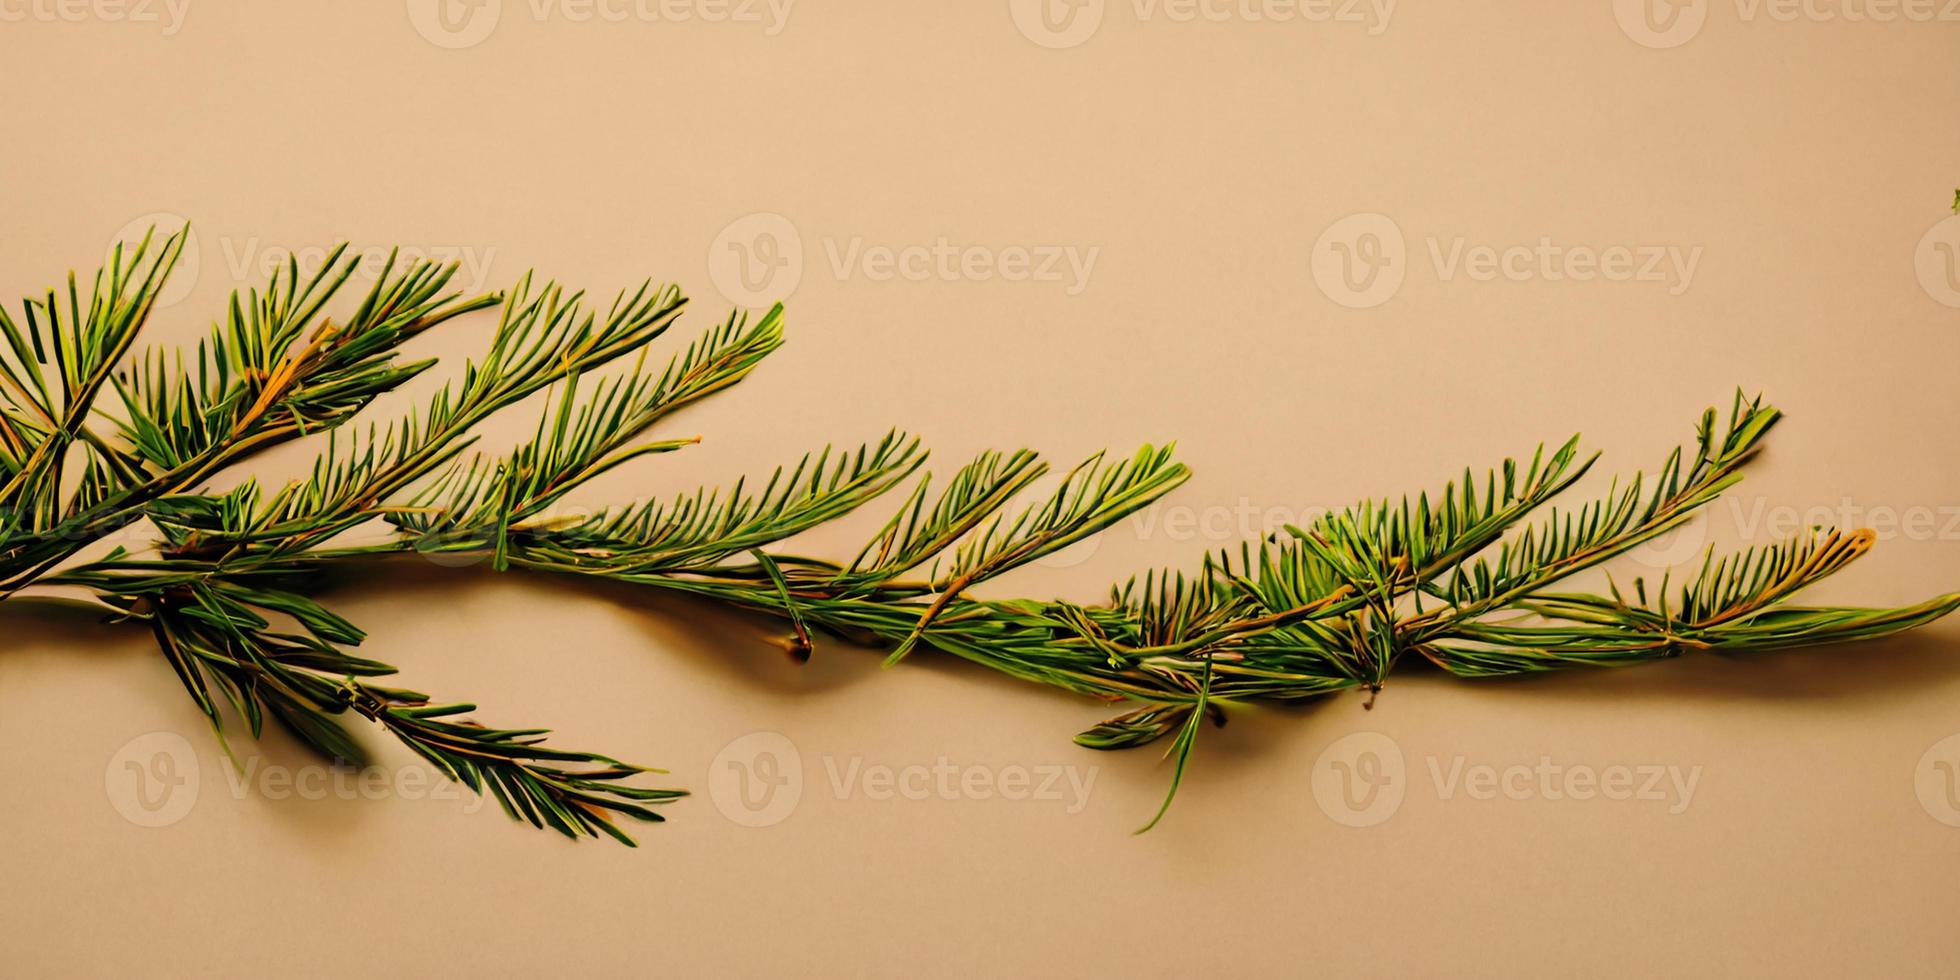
(739, 647)
(40, 624)
(1923, 658)
(35, 620)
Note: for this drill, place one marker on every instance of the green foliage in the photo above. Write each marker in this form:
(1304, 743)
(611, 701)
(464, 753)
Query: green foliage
(1468, 577)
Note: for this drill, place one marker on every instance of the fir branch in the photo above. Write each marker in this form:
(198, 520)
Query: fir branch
(1469, 577)
(529, 779)
(1090, 498)
(255, 385)
(213, 635)
(1323, 609)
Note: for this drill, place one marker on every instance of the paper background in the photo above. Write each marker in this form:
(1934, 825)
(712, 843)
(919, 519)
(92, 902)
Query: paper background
(1806, 165)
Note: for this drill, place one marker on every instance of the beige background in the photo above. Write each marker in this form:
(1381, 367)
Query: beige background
(1806, 161)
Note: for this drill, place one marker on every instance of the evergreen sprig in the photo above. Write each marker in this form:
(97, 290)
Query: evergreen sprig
(1469, 578)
